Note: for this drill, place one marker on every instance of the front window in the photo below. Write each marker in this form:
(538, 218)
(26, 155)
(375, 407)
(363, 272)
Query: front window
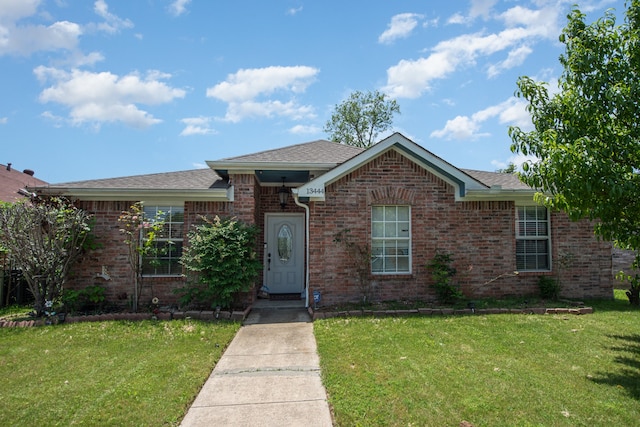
(533, 249)
(163, 260)
(390, 239)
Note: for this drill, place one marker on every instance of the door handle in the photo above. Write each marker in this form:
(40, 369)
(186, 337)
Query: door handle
(269, 262)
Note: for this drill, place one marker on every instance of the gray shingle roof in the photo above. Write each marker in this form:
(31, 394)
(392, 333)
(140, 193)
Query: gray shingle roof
(320, 151)
(507, 181)
(196, 179)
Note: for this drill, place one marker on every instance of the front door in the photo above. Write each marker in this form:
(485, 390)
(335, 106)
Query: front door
(284, 253)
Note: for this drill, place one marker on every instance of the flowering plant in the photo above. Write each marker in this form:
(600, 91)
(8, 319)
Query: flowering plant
(49, 312)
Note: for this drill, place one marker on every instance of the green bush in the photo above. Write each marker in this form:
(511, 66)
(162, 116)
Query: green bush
(87, 299)
(221, 261)
(442, 274)
(549, 287)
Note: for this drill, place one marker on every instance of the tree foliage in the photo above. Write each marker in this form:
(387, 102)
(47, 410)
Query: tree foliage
(587, 135)
(140, 236)
(44, 238)
(221, 260)
(359, 120)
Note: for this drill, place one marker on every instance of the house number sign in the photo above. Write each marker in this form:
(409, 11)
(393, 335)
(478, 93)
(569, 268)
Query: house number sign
(311, 191)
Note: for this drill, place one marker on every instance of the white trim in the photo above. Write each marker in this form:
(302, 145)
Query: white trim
(315, 190)
(408, 239)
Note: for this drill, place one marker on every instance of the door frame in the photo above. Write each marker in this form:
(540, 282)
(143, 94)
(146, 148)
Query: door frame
(269, 216)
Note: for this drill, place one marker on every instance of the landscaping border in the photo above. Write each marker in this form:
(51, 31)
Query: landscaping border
(162, 315)
(315, 315)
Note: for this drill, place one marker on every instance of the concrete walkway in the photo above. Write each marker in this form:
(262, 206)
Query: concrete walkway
(269, 375)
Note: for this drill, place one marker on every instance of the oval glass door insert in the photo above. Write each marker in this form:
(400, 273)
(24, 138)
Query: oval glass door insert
(285, 243)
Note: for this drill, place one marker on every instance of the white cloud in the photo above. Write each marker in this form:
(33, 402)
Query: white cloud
(112, 24)
(178, 7)
(516, 57)
(294, 10)
(197, 126)
(13, 10)
(241, 90)
(510, 112)
(105, 97)
(305, 129)
(461, 127)
(401, 26)
(4, 120)
(26, 40)
(411, 78)
(457, 18)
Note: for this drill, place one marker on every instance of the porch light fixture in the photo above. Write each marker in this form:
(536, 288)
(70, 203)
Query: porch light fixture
(283, 195)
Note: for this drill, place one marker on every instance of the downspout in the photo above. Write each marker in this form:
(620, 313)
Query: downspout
(306, 229)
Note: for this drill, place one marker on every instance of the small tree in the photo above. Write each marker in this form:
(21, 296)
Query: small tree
(586, 136)
(358, 120)
(442, 273)
(140, 234)
(360, 257)
(221, 261)
(45, 237)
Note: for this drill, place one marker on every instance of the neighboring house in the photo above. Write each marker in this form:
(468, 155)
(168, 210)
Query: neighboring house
(13, 183)
(396, 199)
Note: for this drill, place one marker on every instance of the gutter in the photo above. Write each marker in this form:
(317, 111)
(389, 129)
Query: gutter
(294, 191)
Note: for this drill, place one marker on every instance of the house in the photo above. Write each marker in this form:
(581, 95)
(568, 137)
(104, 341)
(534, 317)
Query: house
(396, 201)
(14, 183)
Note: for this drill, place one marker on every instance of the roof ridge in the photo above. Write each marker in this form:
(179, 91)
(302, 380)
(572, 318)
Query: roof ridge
(286, 147)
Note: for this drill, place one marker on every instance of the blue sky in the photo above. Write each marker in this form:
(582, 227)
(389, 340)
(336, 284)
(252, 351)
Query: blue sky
(106, 88)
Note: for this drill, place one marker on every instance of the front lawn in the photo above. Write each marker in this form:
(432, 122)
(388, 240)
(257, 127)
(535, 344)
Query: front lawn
(112, 373)
(493, 370)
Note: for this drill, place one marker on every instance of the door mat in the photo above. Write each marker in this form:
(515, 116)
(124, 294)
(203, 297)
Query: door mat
(284, 297)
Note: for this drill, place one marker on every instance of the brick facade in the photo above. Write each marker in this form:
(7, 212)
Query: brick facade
(479, 235)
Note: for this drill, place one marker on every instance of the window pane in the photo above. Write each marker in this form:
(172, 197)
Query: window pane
(377, 213)
(377, 229)
(403, 229)
(403, 263)
(390, 229)
(390, 213)
(403, 213)
(542, 228)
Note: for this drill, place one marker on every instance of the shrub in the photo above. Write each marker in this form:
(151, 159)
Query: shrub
(221, 261)
(442, 274)
(89, 298)
(549, 287)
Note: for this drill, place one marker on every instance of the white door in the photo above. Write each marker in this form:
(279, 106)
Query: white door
(284, 253)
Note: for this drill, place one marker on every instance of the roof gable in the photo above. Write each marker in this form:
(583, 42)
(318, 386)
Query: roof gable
(461, 181)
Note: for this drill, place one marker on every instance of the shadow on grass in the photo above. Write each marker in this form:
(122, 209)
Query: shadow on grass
(619, 302)
(628, 360)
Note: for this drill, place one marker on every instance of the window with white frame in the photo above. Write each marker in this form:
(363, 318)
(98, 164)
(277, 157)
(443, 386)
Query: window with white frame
(390, 239)
(533, 239)
(164, 259)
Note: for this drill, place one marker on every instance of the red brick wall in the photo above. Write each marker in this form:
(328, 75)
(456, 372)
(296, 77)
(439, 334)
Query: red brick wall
(480, 236)
(113, 252)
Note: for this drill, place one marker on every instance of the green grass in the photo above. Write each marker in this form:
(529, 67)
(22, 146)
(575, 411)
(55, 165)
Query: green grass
(106, 373)
(494, 370)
